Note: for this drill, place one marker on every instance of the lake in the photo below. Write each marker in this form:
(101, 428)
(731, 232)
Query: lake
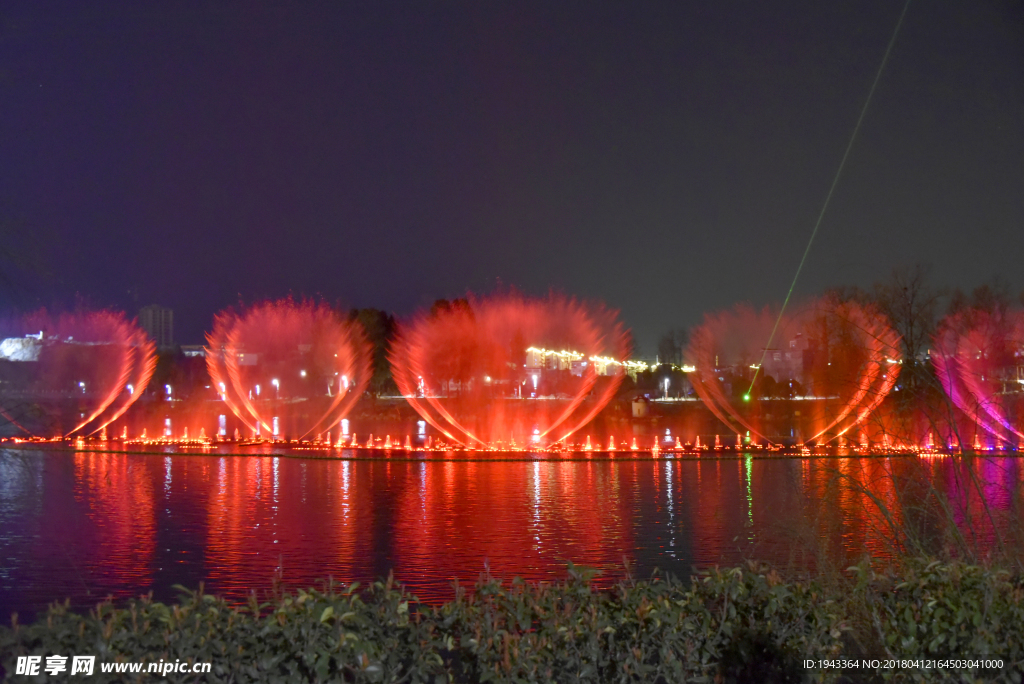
(82, 525)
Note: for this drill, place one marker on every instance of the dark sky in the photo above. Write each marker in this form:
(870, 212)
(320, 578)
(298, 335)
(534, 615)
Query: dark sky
(668, 158)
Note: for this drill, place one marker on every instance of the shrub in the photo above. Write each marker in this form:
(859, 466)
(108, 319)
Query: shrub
(735, 625)
(942, 611)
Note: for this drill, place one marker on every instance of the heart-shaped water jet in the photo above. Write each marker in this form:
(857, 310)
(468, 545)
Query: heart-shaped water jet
(98, 362)
(288, 368)
(842, 355)
(976, 358)
(508, 371)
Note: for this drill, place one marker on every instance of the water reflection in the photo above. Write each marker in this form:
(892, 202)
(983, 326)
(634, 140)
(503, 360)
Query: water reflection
(84, 525)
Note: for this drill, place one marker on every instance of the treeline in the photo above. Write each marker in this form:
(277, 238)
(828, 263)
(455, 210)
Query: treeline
(380, 327)
(910, 300)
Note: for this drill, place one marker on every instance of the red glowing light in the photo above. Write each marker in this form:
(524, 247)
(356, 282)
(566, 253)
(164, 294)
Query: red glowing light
(296, 361)
(977, 358)
(844, 356)
(89, 357)
(143, 363)
(482, 375)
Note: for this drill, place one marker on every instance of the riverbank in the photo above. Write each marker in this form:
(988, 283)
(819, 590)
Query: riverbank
(740, 624)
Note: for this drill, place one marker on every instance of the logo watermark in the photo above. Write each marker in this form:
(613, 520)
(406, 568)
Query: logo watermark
(85, 665)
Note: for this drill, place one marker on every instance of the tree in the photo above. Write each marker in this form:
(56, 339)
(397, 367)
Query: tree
(912, 306)
(670, 347)
(379, 327)
(448, 306)
(992, 298)
(517, 349)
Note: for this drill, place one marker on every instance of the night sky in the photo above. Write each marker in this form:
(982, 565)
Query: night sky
(667, 158)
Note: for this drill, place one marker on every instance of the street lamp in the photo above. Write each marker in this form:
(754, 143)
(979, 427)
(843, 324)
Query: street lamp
(277, 387)
(666, 388)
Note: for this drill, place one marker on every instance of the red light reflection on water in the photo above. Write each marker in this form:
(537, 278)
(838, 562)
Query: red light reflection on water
(118, 503)
(524, 519)
(127, 524)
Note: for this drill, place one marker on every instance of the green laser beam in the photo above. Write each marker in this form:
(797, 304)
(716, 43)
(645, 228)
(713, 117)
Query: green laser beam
(831, 191)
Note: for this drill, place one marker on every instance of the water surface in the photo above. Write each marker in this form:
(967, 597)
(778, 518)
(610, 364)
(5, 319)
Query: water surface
(84, 525)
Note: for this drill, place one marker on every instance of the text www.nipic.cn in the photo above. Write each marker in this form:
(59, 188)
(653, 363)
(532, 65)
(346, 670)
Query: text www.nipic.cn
(85, 665)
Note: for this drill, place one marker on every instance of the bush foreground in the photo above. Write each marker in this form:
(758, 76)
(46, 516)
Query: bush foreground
(735, 625)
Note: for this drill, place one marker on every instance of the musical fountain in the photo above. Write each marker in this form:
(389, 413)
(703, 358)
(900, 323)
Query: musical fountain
(834, 360)
(976, 358)
(72, 374)
(509, 372)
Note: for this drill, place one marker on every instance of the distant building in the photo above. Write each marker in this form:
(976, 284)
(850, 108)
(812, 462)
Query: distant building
(21, 348)
(159, 323)
(791, 363)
